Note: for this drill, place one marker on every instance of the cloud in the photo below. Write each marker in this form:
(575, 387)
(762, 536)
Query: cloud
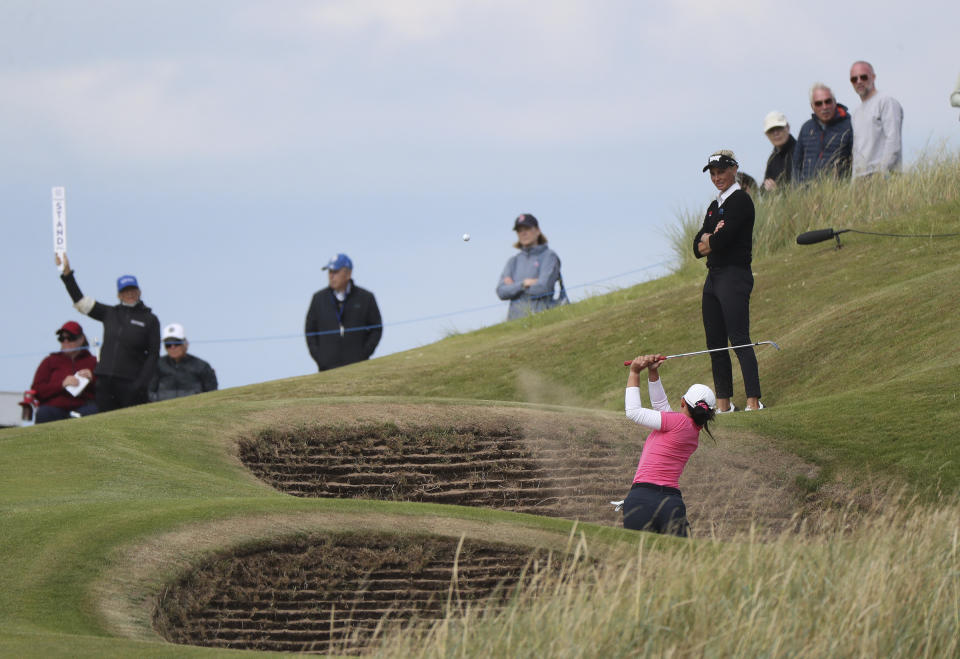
(142, 109)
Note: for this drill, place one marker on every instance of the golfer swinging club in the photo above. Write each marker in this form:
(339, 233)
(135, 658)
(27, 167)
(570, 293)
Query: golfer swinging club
(654, 502)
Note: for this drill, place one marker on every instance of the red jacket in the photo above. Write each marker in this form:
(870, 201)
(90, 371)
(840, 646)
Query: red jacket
(48, 381)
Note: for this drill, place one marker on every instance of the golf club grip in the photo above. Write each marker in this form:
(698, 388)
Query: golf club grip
(811, 237)
(630, 361)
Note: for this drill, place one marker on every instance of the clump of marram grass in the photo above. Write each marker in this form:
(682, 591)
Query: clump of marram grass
(828, 203)
(888, 585)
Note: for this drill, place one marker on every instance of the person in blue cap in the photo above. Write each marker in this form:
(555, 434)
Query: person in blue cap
(131, 341)
(343, 323)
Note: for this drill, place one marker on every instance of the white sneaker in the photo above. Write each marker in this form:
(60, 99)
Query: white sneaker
(751, 409)
(733, 408)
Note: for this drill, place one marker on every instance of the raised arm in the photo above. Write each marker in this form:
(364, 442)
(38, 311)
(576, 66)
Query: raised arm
(636, 412)
(82, 303)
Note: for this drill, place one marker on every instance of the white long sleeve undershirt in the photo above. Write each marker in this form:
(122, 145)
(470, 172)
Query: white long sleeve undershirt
(636, 412)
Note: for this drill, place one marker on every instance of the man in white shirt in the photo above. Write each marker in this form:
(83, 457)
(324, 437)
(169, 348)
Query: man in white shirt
(877, 126)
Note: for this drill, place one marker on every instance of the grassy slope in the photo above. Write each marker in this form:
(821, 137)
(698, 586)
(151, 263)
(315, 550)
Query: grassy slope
(865, 385)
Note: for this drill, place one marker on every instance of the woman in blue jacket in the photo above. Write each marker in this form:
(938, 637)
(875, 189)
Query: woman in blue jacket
(529, 277)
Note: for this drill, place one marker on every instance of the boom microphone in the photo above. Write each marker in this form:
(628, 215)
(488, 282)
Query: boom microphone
(818, 236)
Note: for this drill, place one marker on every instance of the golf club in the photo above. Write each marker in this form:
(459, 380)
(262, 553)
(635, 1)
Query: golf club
(701, 352)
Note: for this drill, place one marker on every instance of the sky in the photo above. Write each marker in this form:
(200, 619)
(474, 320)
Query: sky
(222, 151)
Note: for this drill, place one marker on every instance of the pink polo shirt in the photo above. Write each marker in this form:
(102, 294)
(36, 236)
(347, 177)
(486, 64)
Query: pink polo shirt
(673, 439)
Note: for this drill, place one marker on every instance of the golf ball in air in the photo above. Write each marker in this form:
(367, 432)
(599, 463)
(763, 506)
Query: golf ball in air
(466, 237)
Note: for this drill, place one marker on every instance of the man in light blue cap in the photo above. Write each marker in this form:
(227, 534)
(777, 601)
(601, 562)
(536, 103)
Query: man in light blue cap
(343, 322)
(131, 341)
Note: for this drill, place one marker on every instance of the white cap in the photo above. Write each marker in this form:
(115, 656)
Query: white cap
(774, 119)
(698, 392)
(173, 331)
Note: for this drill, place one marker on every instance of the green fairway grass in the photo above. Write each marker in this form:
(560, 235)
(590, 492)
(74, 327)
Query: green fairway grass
(97, 513)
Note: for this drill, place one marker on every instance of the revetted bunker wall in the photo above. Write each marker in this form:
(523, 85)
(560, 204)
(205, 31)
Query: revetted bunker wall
(323, 594)
(472, 465)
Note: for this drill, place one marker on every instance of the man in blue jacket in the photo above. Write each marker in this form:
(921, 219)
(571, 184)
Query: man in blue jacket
(825, 142)
(343, 323)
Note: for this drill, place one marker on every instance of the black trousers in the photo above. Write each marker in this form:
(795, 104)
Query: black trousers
(655, 508)
(114, 393)
(726, 317)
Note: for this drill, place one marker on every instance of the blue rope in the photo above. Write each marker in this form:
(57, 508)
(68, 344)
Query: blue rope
(300, 335)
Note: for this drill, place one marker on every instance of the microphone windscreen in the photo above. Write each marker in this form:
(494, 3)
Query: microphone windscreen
(811, 237)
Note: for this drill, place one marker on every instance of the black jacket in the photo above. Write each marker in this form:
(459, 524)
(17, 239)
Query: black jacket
(190, 375)
(337, 334)
(131, 338)
(733, 243)
(780, 163)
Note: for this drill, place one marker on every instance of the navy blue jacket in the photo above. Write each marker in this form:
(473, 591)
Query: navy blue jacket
(824, 150)
(733, 243)
(338, 335)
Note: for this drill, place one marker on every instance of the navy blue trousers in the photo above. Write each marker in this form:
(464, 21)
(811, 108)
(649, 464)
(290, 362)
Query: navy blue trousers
(726, 316)
(655, 508)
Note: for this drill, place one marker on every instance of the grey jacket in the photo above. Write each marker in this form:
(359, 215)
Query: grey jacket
(191, 375)
(539, 262)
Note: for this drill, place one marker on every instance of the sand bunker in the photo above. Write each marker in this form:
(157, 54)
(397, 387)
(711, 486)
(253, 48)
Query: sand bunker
(334, 593)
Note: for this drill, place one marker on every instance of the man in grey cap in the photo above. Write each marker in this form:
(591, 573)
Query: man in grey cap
(343, 323)
(780, 163)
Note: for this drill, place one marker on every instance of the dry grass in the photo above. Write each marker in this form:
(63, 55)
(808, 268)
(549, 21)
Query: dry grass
(781, 216)
(882, 585)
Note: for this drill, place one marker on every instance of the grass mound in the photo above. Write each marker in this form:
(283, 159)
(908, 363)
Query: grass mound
(98, 514)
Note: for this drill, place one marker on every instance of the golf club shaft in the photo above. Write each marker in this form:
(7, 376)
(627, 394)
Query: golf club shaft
(702, 352)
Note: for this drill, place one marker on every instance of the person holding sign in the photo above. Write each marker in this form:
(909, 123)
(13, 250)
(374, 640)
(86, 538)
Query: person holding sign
(131, 341)
(343, 322)
(64, 381)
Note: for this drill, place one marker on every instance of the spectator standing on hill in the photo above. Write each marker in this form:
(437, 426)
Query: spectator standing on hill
(955, 96)
(655, 502)
(779, 170)
(63, 369)
(529, 278)
(726, 240)
(131, 341)
(178, 373)
(343, 322)
(825, 141)
(877, 126)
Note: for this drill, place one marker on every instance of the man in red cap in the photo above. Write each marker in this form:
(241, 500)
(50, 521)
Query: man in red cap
(60, 375)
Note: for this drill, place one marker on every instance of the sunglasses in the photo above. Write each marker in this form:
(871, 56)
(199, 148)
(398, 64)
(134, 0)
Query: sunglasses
(66, 337)
(863, 77)
(826, 101)
(172, 344)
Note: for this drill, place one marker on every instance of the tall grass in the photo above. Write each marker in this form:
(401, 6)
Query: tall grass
(828, 203)
(888, 586)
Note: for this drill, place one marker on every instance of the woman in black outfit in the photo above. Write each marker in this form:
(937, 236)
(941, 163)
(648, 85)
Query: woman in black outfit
(726, 239)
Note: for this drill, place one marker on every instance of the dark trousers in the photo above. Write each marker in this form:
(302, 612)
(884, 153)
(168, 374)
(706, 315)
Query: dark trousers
(114, 393)
(655, 508)
(47, 413)
(726, 317)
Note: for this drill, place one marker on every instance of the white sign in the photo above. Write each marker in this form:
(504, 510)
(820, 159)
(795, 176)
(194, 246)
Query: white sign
(59, 200)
